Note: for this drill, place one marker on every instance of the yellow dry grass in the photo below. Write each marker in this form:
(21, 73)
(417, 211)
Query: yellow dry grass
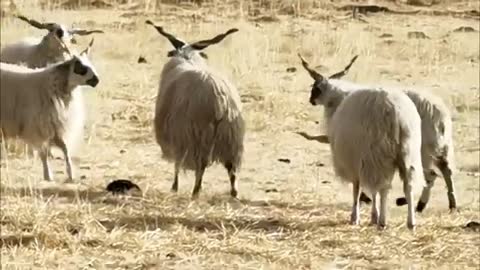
(304, 225)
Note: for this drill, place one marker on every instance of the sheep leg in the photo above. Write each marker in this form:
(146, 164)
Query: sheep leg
(232, 175)
(430, 177)
(355, 217)
(446, 171)
(407, 189)
(374, 213)
(47, 173)
(63, 146)
(382, 220)
(175, 179)
(198, 181)
(407, 174)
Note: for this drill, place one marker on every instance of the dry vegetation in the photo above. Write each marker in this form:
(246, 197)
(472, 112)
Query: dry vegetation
(290, 215)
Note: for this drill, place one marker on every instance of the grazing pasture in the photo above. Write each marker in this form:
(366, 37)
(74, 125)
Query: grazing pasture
(292, 212)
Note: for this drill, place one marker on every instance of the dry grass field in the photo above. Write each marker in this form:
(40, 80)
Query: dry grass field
(290, 215)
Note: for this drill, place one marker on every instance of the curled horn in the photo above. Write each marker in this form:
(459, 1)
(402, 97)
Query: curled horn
(200, 45)
(35, 23)
(175, 41)
(83, 32)
(315, 75)
(87, 50)
(344, 72)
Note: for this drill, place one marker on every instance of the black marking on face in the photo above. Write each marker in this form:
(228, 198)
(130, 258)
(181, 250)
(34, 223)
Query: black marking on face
(59, 33)
(316, 92)
(93, 81)
(80, 68)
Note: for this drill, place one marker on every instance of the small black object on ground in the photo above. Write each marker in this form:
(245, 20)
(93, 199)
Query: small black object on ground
(401, 201)
(286, 160)
(473, 225)
(122, 186)
(141, 60)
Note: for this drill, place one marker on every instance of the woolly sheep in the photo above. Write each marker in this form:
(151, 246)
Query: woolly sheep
(198, 119)
(35, 103)
(35, 53)
(437, 143)
(373, 133)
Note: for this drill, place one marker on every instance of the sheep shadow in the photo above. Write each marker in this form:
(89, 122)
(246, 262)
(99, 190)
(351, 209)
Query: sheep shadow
(208, 225)
(298, 206)
(54, 191)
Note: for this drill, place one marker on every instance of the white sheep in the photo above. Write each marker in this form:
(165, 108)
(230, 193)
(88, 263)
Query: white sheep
(35, 103)
(373, 133)
(37, 53)
(198, 119)
(437, 142)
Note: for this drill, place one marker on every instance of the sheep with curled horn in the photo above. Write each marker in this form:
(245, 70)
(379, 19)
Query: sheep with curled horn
(36, 53)
(198, 113)
(372, 133)
(437, 138)
(35, 103)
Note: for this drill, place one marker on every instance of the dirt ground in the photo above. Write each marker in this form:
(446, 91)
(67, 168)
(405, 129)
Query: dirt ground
(290, 215)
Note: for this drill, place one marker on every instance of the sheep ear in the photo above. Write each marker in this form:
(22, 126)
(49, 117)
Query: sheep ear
(177, 43)
(83, 32)
(88, 49)
(202, 44)
(344, 72)
(204, 55)
(34, 23)
(315, 75)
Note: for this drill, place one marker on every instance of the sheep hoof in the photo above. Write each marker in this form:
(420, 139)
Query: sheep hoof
(420, 206)
(374, 220)
(452, 205)
(233, 193)
(454, 210)
(195, 196)
(354, 221)
(411, 226)
(381, 227)
(69, 180)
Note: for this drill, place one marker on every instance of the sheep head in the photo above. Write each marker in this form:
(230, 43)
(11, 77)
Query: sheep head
(82, 71)
(321, 87)
(186, 50)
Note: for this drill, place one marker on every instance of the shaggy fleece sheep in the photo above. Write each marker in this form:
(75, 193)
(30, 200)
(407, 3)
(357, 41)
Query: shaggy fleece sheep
(198, 119)
(372, 134)
(35, 103)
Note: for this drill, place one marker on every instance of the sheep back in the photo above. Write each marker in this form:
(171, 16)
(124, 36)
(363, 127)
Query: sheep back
(436, 125)
(31, 53)
(198, 118)
(370, 131)
(27, 108)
